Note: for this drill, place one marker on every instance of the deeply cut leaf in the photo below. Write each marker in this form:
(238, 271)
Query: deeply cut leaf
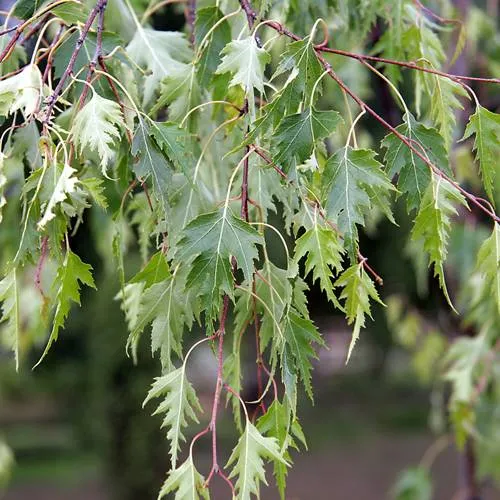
(179, 405)
(97, 126)
(354, 182)
(357, 291)
(248, 458)
(433, 223)
(485, 126)
(68, 279)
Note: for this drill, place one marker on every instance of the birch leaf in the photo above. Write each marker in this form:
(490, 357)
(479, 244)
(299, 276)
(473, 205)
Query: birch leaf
(97, 127)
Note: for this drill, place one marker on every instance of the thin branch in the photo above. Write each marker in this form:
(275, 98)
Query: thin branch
(363, 260)
(405, 64)
(9, 30)
(250, 13)
(97, 52)
(216, 469)
(191, 18)
(51, 101)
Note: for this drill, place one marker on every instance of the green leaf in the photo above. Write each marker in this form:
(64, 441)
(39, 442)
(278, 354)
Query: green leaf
(444, 106)
(248, 458)
(413, 484)
(154, 271)
(422, 44)
(276, 423)
(246, 61)
(186, 482)
(131, 296)
(297, 135)
(9, 295)
(16, 58)
(357, 292)
(24, 9)
(175, 143)
(485, 125)
(389, 45)
(301, 56)
(413, 173)
(168, 306)
(206, 19)
(324, 256)
(151, 163)
(95, 188)
(73, 12)
(212, 239)
(274, 290)
(97, 126)
(179, 405)
(300, 335)
(354, 183)
(3, 182)
(163, 53)
(181, 91)
(433, 223)
(68, 279)
(110, 41)
(488, 265)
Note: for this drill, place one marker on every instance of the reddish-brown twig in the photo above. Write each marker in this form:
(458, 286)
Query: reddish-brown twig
(405, 64)
(51, 101)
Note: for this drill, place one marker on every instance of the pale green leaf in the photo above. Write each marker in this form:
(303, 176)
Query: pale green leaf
(324, 257)
(181, 91)
(445, 105)
(179, 405)
(9, 296)
(97, 127)
(186, 482)
(488, 265)
(462, 360)
(6, 464)
(358, 289)
(64, 187)
(246, 61)
(413, 484)
(161, 52)
(279, 424)
(248, 459)
(21, 92)
(485, 125)
(69, 276)
(300, 335)
(433, 223)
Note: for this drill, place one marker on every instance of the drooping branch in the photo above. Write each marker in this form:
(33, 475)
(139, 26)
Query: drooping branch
(406, 64)
(363, 105)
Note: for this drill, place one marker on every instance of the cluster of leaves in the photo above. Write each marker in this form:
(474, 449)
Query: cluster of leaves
(189, 141)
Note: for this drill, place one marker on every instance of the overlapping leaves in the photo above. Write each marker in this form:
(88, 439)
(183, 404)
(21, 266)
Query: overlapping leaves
(210, 241)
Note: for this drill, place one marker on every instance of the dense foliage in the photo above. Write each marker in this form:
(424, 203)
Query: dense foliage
(194, 144)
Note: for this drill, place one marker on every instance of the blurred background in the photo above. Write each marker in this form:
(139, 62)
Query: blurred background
(77, 428)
